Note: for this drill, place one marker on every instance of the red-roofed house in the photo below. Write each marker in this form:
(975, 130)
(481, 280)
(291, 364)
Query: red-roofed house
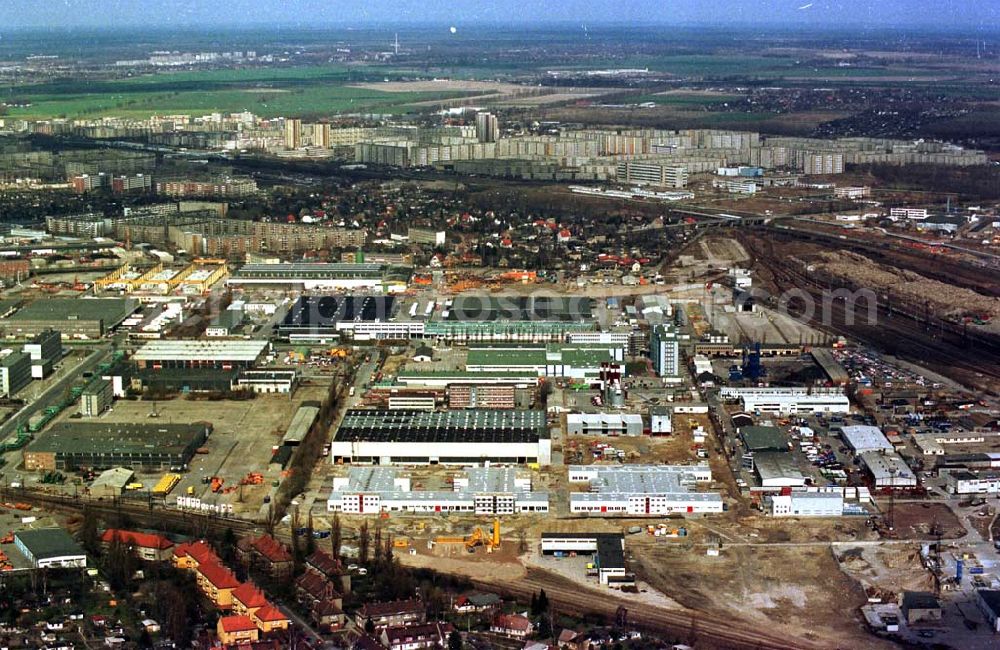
(190, 554)
(267, 554)
(217, 583)
(512, 625)
(269, 618)
(313, 587)
(415, 637)
(329, 566)
(247, 599)
(328, 614)
(237, 629)
(149, 547)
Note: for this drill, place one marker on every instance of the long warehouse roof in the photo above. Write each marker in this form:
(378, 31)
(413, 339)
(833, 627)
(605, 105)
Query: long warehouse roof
(238, 350)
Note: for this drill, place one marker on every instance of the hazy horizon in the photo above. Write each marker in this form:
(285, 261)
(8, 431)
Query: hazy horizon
(374, 14)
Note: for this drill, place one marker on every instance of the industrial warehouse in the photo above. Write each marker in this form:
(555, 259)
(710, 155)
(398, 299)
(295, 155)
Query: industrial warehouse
(554, 360)
(608, 550)
(69, 446)
(470, 437)
(787, 401)
(326, 318)
(225, 355)
(337, 276)
(88, 318)
(481, 491)
(642, 490)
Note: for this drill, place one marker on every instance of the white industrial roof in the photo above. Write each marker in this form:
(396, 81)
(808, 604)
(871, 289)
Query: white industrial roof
(884, 466)
(229, 350)
(605, 418)
(628, 480)
(862, 437)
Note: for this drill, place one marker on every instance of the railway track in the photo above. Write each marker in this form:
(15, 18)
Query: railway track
(685, 626)
(901, 330)
(564, 595)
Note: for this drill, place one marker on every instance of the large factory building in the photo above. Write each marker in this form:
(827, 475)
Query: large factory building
(470, 437)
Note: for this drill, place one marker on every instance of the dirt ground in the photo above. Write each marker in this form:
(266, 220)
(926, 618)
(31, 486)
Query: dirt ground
(800, 589)
(915, 520)
(895, 568)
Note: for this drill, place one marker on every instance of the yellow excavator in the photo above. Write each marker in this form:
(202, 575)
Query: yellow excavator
(477, 538)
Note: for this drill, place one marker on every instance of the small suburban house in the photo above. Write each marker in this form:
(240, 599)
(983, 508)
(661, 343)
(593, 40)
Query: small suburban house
(267, 554)
(234, 630)
(477, 602)
(396, 612)
(512, 625)
(415, 637)
(148, 547)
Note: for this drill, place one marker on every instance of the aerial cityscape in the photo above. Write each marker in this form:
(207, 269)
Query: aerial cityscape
(499, 324)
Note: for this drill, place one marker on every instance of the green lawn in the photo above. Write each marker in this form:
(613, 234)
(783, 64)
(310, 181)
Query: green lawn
(270, 92)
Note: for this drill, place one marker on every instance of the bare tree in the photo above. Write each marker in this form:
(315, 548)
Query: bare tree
(335, 535)
(364, 540)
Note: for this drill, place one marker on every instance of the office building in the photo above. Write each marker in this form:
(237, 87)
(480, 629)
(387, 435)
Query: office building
(650, 172)
(15, 373)
(96, 397)
(664, 348)
(427, 236)
(789, 400)
(805, 503)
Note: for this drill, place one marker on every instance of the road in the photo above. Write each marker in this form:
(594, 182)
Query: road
(56, 391)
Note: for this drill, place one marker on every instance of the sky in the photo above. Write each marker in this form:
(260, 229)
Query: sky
(960, 14)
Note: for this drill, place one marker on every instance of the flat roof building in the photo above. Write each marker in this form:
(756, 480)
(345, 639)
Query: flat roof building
(15, 373)
(468, 437)
(802, 503)
(608, 550)
(72, 445)
(642, 490)
(604, 424)
(888, 470)
(759, 438)
(789, 401)
(74, 317)
(483, 491)
(861, 438)
(332, 276)
(50, 548)
(228, 354)
(96, 397)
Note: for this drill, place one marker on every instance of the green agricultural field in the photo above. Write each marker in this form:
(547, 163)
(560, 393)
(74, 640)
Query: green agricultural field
(685, 99)
(313, 91)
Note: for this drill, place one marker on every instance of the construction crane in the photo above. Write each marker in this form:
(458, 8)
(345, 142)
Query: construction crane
(475, 539)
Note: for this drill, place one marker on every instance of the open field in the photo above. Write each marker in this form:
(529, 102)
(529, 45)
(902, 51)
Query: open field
(321, 90)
